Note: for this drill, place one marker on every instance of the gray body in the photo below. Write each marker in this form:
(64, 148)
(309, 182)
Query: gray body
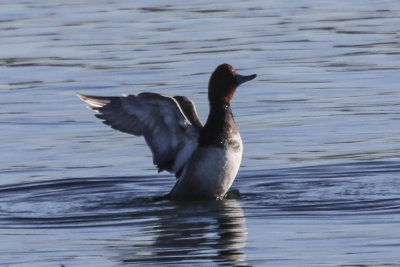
(210, 172)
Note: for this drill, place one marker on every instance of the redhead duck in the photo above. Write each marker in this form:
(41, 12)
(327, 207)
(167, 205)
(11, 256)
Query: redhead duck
(204, 158)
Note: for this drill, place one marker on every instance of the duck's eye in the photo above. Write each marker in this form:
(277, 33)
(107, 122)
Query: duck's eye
(231, 69)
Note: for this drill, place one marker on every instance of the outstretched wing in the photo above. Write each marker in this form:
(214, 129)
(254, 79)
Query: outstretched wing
(171, 136)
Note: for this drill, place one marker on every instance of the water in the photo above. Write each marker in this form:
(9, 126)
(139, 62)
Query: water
(320, 173)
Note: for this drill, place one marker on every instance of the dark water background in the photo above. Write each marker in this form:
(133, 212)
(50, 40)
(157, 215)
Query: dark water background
(320, 177)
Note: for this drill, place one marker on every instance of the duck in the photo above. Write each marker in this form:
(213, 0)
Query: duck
(205, 159)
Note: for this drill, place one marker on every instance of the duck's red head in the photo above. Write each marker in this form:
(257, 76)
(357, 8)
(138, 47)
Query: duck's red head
(223, 83)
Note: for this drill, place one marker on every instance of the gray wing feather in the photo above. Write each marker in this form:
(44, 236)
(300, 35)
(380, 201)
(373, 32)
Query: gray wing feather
(189, 110)
(171, 136)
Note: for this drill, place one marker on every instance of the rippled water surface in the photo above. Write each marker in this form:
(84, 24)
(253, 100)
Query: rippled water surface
(320, 176)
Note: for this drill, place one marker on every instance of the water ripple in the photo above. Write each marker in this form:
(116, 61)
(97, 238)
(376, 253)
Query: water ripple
(326, 94)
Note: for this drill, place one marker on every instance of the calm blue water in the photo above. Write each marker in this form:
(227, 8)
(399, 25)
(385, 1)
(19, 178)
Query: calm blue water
(320, 177)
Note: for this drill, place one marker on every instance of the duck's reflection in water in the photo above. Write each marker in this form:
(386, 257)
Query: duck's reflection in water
(207, 232)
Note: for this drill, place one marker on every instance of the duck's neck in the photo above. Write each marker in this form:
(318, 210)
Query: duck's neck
(220, 126)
